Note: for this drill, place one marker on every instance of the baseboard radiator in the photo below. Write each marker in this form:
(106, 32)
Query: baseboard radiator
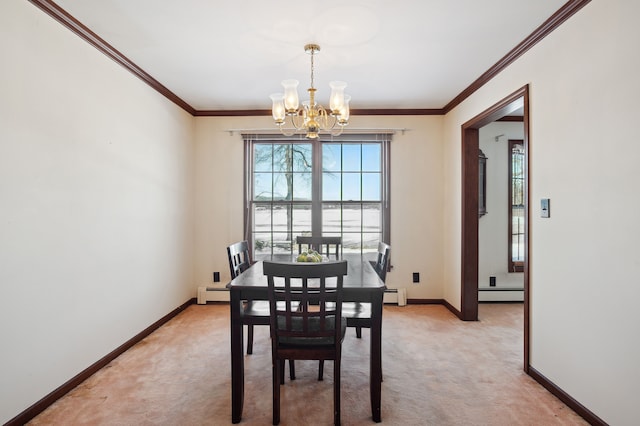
(500, 294)
(396, 296)
(212, 294)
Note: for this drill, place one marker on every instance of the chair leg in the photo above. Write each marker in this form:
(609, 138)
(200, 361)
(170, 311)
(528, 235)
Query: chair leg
(336, 391)
(359, 332)
(320, 370)
(292, 370)
(277, 367)
(249, 339)
(281, 370)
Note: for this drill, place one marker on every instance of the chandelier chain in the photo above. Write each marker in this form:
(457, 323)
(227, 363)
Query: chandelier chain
(312, 67)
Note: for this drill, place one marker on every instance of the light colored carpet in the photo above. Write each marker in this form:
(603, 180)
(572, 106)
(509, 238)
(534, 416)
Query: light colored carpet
(438, 371)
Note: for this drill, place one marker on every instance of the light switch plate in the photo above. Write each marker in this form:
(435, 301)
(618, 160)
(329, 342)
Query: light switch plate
(544, 208)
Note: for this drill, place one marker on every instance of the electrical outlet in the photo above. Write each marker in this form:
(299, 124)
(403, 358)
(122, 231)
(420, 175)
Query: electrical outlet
(416, 277)
(492, 281)
(216, 277)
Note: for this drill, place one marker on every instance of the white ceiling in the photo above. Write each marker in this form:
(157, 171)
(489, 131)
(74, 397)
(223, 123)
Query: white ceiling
(232, 54)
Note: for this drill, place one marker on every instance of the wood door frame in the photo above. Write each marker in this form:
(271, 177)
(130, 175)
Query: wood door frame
(469, 255)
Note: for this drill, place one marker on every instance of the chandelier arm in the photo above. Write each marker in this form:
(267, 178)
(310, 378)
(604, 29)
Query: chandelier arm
(323, 119)
(337, 132)
(297, 119)
(286, 131)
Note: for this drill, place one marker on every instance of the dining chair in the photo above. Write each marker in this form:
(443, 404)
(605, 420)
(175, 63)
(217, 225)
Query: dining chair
(323, 245)
(358, 314)
(316, 329)
(254, 312)
(381, 264)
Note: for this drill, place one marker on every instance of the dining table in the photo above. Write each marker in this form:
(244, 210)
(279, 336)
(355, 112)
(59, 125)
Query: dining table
(361, 284)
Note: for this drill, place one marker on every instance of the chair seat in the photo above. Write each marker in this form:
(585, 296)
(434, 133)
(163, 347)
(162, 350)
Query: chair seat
(356, 310)
(260, 309)
(256, 308)
(314, 326)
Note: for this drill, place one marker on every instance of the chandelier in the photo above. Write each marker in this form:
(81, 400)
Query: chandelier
(311, 117)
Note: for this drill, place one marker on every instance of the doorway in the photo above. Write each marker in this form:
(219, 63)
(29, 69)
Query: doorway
(470, 197)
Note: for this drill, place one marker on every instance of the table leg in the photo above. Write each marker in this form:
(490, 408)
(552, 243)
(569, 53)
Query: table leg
(376, 356)
(237, 360)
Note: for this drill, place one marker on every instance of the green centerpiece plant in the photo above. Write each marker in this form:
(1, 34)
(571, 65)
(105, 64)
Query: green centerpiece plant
(309, 256)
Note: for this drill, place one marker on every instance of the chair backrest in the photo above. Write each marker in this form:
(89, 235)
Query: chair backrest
(322, 245)
(239, 260)
(382, 263)
(317, 290)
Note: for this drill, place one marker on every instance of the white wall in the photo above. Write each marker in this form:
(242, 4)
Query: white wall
(416, 197)
(584, 90)
(96, 206)
(97, 202)
(493, 238)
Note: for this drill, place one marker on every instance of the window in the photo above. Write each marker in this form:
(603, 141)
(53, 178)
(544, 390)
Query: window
(331, 187)
(516, 205)
(482, 184)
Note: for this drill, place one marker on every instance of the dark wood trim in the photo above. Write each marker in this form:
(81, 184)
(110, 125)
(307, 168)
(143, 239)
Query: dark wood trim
(232, 113)
(553, 22)
(512, 118)
(469, 272)
(37, 408)
(452, 309)
(261, 112)
(564, 13)
(390, 111)
(425, 301)
(496, 111)
(580, 409)
(527, 221)
(62, 16)
(469, 255)
(442, 302)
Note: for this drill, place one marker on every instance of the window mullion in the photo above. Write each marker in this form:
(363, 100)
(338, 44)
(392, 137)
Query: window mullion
(316, 189)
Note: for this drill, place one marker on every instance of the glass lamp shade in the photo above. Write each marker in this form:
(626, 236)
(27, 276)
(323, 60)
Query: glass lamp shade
(343, 117)
(336, 100)
(277, 109)
(290, 95)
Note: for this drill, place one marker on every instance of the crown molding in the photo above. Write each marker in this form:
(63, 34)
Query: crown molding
(564, 13)
(259, 112)
(63, 17)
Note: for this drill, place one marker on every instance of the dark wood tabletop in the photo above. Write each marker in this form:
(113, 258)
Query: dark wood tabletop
(361, 284)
